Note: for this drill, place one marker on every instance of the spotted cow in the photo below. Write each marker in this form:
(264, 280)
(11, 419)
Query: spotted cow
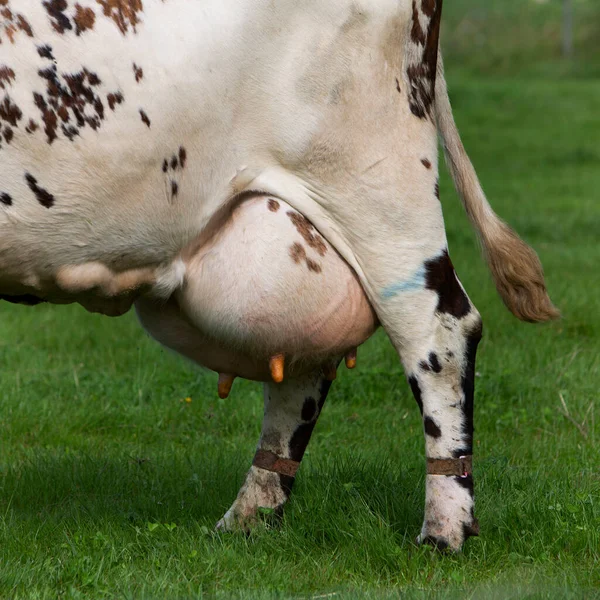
(260, 179)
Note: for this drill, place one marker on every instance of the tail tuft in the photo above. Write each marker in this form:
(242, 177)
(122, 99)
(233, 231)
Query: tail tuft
(518, 275)
(515, 267)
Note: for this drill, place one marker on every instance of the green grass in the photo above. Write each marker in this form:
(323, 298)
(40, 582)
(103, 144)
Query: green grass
(521, 37)
(110, 483)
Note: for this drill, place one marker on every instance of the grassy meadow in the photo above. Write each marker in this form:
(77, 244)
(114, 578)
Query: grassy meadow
(117, 458)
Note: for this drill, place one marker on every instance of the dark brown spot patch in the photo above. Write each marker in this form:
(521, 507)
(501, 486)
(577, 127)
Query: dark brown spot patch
(422, 73)
(433, 364)
(301, 436)
(441, 278)
(417, 35)
(123, 12)
(468, 385)
(113, 99)
(7, 76)
(273, 205)
(145, 118)
(10, 112)
(432, 429)
(6, 199)
(138, 73)
(43, 196)
(45, 51)
(426, 163)
(174, 188)
(182, 156)
(56, 11)
(416, 390)
(84, 19)
(310, 235)
(70, 97)
(298, 254)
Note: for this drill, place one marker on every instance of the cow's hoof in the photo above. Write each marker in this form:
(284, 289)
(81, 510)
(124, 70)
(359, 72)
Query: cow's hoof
(452, 539)
(439, 543)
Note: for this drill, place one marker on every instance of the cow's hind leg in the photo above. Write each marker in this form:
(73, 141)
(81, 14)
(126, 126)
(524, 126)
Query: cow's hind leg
(438, 352)
(291, 412)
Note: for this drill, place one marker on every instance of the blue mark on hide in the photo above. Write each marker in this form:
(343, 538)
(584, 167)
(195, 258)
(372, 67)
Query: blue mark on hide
(413, 284)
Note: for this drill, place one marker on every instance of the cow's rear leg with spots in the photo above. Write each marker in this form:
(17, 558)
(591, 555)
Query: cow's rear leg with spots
(439, 362)
(291, 412)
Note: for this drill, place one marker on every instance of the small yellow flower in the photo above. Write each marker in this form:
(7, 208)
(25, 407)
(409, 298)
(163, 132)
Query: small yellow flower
(188, 400)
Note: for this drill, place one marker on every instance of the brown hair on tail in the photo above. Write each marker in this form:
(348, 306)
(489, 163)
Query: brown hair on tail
(515, 267)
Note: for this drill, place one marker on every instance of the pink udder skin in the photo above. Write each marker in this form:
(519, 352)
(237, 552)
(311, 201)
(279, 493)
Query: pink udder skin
(268, 283)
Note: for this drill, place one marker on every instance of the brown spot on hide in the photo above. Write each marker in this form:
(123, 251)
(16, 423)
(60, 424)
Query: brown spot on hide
(7, 76)
(63, 113)
(182, 156)
(466, 483)
(12, 23)
(84, 19)
(426, 163)
(10, 112)
(398, 88)
(433, 364)
(138, 72)
(468, 386)
(436, 190)
(8, 135)
(297, 252)
(174, 188)
(174, 163)
(24, 25)
(45, 51)
(416, 390)
(301, 436)
(441, 278)
(113, 99)
(306, 229)
(165, 166)
(123, 12)
(70, 97)
(273, 205)
(422, 73)
(43, 196)
(417, 35)
(313, 266)
(6, 199)
(48, 117)
(432, 429)
(428, 7)
(56, 11)
(145, 118)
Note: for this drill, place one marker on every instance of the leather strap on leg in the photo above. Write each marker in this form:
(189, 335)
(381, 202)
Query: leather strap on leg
(264, 459)
(457, 467)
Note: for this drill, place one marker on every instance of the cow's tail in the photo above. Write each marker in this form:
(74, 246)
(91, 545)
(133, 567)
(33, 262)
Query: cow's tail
(515, 267)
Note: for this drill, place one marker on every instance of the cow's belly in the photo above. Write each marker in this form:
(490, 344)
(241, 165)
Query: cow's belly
(266, 284)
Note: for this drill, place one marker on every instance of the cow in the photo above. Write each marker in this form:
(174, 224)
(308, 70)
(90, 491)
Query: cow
(260, 180)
